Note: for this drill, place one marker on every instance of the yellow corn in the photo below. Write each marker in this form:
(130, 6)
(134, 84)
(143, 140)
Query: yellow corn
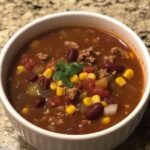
(74, 79)
(96, 99)
(120, 81)
(20, 69)
(25, 110)
(83, 76)
(91, 76)
(105, 120)
(48, 73)
(87, 101)
(70, 109)
(104, 103)
(59, 83)
(53, 86)
(60, 91)
(129, 73)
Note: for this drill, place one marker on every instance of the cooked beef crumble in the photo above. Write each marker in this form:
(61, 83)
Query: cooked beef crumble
(71, 44)
(42, 56)
(88, 55)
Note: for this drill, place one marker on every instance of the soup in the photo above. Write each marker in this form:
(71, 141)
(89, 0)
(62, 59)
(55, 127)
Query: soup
(75, 80)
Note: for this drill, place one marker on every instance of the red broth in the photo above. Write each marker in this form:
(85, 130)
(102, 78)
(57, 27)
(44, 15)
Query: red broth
(75, 80)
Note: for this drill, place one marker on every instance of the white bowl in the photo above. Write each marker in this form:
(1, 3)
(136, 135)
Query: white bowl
(46, 140)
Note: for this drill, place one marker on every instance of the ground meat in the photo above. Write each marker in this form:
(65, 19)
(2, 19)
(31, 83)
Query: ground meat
(71, 44)
(118, 52)
(72, 92)
(96, 40)
(84, 122)
(42, 56)
(88, 55)
(60, 122)
(51, 128)
(55, 121)
(110, 58)
(102, 73)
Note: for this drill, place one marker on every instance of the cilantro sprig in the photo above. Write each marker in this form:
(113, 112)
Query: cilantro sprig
(65, 70)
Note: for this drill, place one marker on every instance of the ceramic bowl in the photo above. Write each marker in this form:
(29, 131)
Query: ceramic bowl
(46, 140)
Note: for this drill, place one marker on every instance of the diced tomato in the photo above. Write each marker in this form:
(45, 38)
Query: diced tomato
(55, 101)
(89, 69)
(51, 64)
(89, 86)
(101, 91)
(88, 83)
(27, 62)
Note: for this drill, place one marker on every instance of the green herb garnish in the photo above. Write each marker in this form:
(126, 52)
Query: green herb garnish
(65, 70)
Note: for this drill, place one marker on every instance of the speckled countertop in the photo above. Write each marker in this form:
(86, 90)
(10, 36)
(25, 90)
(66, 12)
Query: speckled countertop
(16, 13)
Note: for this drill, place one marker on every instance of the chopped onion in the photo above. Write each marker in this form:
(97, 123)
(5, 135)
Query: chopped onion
(111, 109)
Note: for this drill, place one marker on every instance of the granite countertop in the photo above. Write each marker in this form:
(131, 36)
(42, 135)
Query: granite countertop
(14, 14)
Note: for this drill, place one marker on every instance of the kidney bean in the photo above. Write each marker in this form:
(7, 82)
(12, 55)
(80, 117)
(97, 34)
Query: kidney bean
(113, 66)
(32, 77)
(44, 83)
(46, 93)
(72, 54)
(94, 111)
(40, 102)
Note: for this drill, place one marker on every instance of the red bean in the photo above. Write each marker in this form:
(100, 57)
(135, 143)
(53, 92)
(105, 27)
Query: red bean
(32, 77)
(72, 54)
(44, 83)
(94, 111)
(39, 102)
(114, 66)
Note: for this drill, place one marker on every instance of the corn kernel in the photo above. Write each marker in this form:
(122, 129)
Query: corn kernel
(83, 76)
(129, 73)
(60, 91)
(70, 109)
(20, 69)
(59, 83)
(53, 86)
(96, 99)
(25, 110)
(91, 76)
(120, 81)
(87, 101)
(48, 73)
(74, 79)
(104, 103)
(105, 120)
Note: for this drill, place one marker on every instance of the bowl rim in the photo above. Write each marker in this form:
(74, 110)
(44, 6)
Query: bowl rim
(7, 105)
